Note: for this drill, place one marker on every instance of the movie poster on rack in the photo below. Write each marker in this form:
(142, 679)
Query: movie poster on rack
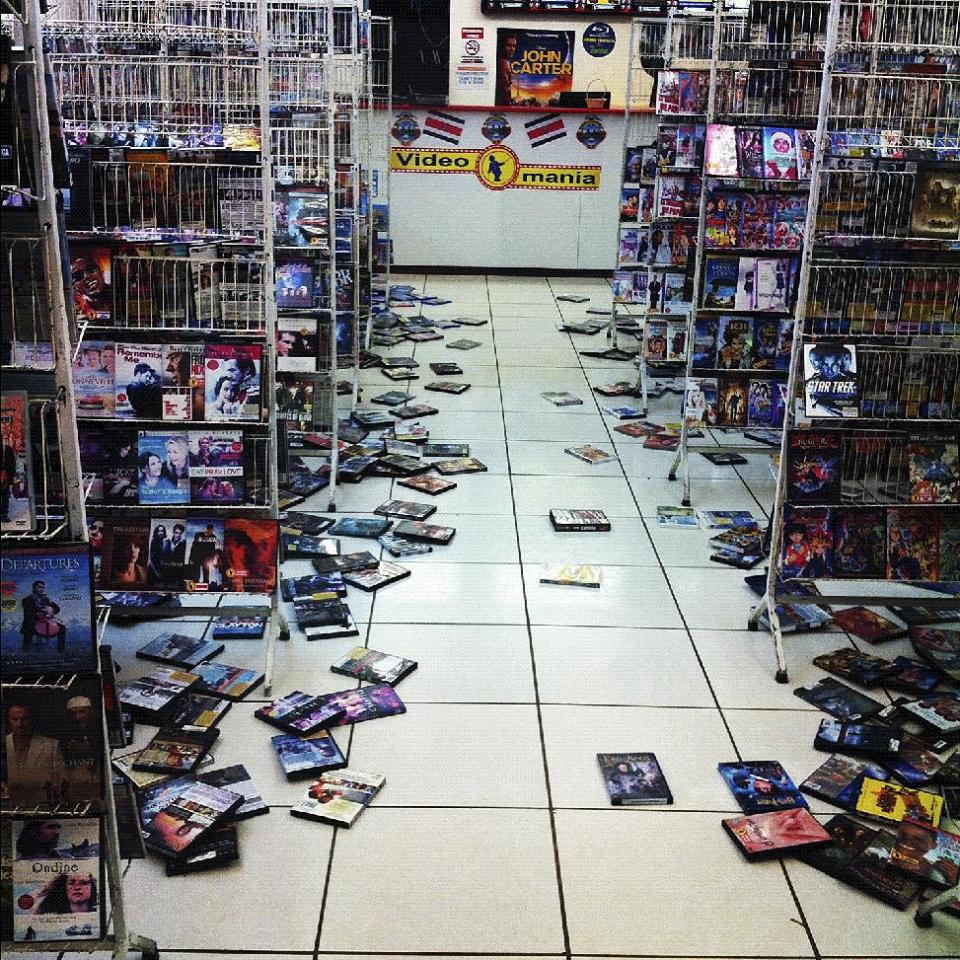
(533, 66)
(53, 743)
(46, 610)
(57, 878)
(16, 471)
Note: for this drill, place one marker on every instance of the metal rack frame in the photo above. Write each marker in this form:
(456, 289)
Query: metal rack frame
(744, 84)
(62, 518)
(895, 319)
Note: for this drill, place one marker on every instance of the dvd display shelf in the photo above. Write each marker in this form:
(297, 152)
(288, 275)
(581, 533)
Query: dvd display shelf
(761, 101)
(185, 124)
(868, 492)
(45, 528)
(653, 279)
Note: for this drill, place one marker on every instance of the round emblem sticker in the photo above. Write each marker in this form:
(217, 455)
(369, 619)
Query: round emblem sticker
(497, 167)
(496, 128)
(591, 133)
(405, 128)
(599, 39)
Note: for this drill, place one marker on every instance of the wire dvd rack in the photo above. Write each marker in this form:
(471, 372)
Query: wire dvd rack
(44, 514)
(755, 91)
(868, 492)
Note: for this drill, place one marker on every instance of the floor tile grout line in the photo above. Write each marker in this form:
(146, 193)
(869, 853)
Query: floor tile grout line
(561, 901)
(723, 718)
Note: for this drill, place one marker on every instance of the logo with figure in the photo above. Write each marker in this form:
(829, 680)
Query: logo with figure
(497, 167)
(496, 128)
(405, 129)
(591, 132)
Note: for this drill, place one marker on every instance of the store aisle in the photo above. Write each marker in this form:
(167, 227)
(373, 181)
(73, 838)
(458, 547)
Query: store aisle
(493, 834)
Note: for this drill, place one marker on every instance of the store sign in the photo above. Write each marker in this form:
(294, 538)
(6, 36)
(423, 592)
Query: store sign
(599, 39)
(496, 167)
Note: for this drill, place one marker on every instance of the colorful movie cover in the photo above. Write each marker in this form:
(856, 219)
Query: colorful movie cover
(789, 220)
(929, 854)
(732, 402)
(123, 564)
(676, 293)
(806, 145)
(757, 230)
(367, 703)
(700, 401)
(734, 343)
(721, 151)
(629, 203)
(216, 466)
(690, 143)
(667, 147)
(634, 779)
(765, 344)
(760, 786)
(831, 384)
(869, 625)
(53, 743)
(232, 382)
(676, 340)
(250, 552)
(913, 545)
(223, 680)
(183, 381)
(746, 292)
(294, 285)
(16, 471)
(779, 154)
(90, 269)
(138, 381)
(941, 648)
(769, 834)
(629, 245)
(57, 878)
(936, 211)
(683, 241)
(308, 219)
(761, 408)
(622, 287)
(668, 92)
(772, 284)
(942, 712)
(807, 543)
(720, 283)
(296, 344)
(813, 468)
(633, 171)
(205, 561)
(166, 552)
(661, 251)
(671, 193)
(705, 343)
(891, 801)
(93, 372)
(46, 610)
(749, 141)
(163, 469)
(934, 472)
(533, 66)
(655, 340)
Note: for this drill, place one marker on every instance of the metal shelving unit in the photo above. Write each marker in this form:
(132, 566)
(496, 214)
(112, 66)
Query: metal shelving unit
(760, 58)
(881, 281)
(42, 337)
(194, 94)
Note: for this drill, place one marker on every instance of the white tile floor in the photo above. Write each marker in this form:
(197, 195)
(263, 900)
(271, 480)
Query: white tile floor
(493, 836)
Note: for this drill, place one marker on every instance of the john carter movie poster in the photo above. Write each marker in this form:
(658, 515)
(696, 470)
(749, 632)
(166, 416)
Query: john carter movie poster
(533, 66)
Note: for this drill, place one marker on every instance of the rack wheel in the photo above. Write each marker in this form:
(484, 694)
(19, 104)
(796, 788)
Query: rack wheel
(284, 635)
(752, 626)
(672, 475)
(924, 920)
(782, 676)
(685, 502)
(145, 947)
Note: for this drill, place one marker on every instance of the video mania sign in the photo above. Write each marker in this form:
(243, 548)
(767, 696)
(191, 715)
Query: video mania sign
(496, 167)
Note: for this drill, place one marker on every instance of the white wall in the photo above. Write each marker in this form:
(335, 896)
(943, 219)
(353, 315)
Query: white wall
(453, 220)
(611, 69)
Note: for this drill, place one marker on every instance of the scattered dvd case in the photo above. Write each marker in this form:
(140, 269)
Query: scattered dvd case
(373, 666)
(634, 779)
(339, 798)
